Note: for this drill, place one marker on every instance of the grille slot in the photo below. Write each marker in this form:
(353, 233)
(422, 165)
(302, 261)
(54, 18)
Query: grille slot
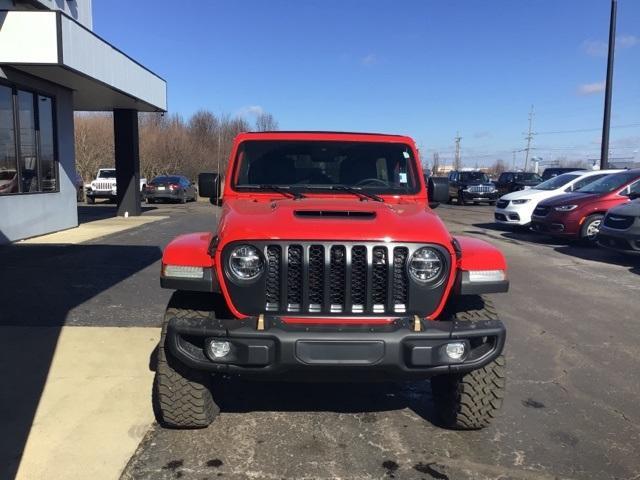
(379, 279)
(400, 280)
(294, 278)
(358, 279)
(337, 278)
(316, 278)
(272, 291)
(480, 189)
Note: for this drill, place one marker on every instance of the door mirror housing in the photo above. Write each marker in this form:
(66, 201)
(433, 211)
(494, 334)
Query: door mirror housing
(209, 185)
(438, 191)
(634, 195)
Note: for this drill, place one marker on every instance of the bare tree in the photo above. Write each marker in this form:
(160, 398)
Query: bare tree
(168, 143)
(265, 122)
(435, 169)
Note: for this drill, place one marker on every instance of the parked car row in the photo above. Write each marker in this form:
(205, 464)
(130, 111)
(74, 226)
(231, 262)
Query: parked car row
(589, 206)
(174, 188)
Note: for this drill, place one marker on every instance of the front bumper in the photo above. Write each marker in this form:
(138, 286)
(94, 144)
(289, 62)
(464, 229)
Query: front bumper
(102, 193)
(511, 216)
(626, 241)
(391, 351)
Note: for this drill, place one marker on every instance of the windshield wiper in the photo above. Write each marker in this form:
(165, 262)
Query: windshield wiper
(345, 188)
(275, 188)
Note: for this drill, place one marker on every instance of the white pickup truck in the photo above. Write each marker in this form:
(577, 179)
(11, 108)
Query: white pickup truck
(104, 186)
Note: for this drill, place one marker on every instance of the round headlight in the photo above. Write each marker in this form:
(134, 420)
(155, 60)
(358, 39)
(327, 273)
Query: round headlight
(245, 262)
(425, 265)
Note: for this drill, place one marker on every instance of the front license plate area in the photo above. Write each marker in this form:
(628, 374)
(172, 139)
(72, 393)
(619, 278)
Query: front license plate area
(332, 352)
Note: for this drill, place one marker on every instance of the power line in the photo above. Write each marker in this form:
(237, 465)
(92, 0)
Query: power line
(579, 130)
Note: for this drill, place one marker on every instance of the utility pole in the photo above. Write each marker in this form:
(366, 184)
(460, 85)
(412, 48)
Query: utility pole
(528, 138)
(436, 164)
(457, 162)
(604, 146)
(514, 159)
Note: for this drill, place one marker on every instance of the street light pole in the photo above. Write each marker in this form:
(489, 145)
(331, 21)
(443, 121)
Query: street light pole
(604, 146)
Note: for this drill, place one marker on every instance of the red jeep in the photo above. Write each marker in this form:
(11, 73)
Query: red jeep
(329, 263)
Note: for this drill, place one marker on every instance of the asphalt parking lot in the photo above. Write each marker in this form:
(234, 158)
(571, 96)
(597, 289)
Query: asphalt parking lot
(571, 409)
(573, 370)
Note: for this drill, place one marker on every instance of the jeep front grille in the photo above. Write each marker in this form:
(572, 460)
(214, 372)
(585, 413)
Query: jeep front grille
(102, 185)
(348, 279)
(481, 189)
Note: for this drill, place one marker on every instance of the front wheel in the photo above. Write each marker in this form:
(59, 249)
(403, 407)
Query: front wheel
(470, 401)
(90, 200)
(182, 396)
(590, 228)
(461, 199)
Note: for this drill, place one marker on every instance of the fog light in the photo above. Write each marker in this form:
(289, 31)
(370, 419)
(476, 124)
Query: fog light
(219, 348)
(455, 350)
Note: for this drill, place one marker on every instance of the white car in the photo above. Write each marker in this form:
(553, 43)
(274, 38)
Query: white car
(515, 208)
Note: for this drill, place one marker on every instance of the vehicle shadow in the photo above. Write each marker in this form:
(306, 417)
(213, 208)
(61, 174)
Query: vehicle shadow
(565, 247)
(235, 395)
(41, 284)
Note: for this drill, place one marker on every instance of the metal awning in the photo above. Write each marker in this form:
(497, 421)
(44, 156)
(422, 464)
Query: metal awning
(54, 47)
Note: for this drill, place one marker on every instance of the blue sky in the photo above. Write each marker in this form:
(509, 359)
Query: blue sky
(422, 68)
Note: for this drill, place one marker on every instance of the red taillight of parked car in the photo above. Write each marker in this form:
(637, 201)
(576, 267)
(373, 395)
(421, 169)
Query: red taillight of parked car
(174, 186)
(151, 188)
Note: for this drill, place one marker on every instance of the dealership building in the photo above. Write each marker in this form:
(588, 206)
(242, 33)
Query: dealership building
(52, 64)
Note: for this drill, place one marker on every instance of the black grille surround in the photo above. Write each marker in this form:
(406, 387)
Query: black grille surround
(618, 222)
(335, 278)
(541, 211)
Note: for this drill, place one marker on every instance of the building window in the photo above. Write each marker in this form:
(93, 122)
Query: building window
(27, 142)
(8, 163)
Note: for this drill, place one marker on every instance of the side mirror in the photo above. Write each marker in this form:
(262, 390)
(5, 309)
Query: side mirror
(209, 185)
(438, 191)
(634, 195)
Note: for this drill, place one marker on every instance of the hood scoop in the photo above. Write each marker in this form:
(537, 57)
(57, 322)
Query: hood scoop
(354, 214)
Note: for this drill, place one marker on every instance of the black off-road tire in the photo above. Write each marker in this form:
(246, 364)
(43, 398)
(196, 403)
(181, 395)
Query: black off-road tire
(461, 201)
(472, 400)
(182, 396)
(90, 200)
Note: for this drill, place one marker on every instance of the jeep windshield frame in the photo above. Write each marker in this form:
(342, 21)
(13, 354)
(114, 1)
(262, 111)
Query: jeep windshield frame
(318, 166)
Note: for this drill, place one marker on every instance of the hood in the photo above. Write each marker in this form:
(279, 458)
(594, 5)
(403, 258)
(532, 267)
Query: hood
(570, 198)
(631, 209)
(478, 182)
(530, 193)
(326, 219)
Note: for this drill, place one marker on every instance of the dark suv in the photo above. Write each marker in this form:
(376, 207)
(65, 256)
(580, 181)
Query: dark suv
(555, 171)
(473, 187)
(513, 181)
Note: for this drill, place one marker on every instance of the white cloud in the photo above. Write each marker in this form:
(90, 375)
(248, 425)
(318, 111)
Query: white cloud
(482, 134)
(368, 60)
(250, 111)
(597, 48)
(627, 41)
(590, 88)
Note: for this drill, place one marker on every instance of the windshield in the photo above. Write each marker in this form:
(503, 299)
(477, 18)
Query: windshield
(474, 177)
(556, 182)
(527, 177)
(166, 180)
(106, 174)
(610, 182)
(309, 165)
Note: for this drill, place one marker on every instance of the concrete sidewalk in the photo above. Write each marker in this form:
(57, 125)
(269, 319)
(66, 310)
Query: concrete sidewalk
(95, 406)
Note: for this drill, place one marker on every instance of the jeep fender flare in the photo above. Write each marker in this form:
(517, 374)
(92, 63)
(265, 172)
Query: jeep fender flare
(190, 250)
(475, 256)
